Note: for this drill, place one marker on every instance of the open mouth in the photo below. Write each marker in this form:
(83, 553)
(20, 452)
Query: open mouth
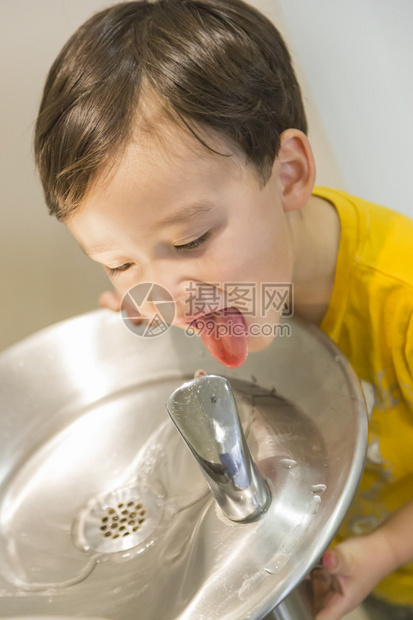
(224, 332)
(225, 335)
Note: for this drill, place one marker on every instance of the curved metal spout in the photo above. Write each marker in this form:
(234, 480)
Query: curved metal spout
(205, 414)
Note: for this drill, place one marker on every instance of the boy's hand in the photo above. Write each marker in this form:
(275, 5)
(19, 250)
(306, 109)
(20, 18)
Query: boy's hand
(358, 564)
(111, 300)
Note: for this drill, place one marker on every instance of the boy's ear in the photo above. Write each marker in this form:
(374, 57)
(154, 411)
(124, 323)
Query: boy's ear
(296, 169)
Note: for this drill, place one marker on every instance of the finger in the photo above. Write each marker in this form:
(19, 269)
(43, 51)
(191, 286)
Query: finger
(110, 300)
(337, 561)
(324, 585)
(335, 609)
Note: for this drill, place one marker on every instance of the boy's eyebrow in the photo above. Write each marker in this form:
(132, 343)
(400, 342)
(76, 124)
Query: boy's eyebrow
(99, 248)
(185, 215)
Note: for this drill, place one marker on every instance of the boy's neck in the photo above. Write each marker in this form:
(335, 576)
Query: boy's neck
(316, 238)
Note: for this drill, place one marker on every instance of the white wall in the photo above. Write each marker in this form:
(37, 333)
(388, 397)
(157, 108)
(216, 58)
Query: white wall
(357, 57)
(44, 277)
(355, 61)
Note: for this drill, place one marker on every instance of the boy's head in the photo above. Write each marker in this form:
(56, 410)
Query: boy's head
(211, 67)
(171, 141)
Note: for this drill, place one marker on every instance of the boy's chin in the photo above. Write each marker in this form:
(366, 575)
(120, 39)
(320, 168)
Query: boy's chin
(259, 343)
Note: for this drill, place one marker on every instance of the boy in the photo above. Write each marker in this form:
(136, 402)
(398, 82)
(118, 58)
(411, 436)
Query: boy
(171, 140)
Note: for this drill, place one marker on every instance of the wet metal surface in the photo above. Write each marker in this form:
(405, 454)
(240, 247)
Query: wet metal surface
(84, 433)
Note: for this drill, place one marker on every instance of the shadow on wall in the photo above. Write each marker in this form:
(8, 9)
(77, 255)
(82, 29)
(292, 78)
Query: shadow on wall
(45, 277)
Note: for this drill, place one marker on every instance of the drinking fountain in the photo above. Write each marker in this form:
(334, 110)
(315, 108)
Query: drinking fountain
(105, 512)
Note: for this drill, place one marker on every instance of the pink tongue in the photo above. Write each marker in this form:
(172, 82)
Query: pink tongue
(224, 334)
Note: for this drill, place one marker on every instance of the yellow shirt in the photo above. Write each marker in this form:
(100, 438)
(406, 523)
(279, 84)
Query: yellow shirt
(370, 317)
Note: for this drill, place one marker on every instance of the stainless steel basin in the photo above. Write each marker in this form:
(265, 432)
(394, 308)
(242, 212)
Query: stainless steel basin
(103, 510)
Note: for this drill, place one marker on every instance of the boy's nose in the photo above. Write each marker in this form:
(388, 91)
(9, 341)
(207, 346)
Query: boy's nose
(167, 279)
(170, 285)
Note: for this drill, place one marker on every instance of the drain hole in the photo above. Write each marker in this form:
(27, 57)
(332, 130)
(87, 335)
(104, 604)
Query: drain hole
(130, 522)
(119, 520)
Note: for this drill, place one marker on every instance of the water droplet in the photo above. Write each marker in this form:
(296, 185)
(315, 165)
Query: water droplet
(269, 571)
(288, 463)
(318, 488)
(199, 373)
(316, 503)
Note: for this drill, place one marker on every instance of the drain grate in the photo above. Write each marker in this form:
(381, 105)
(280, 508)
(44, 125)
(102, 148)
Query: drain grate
(120, 520)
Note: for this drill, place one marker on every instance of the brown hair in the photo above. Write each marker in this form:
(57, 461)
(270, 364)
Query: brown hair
(215, 66)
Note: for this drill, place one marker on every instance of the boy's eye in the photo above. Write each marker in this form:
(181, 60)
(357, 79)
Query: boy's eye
(194, 244)
(112, 271)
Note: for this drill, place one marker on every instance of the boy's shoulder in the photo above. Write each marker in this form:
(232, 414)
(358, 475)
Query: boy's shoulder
(370, 314)
(372, 236)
